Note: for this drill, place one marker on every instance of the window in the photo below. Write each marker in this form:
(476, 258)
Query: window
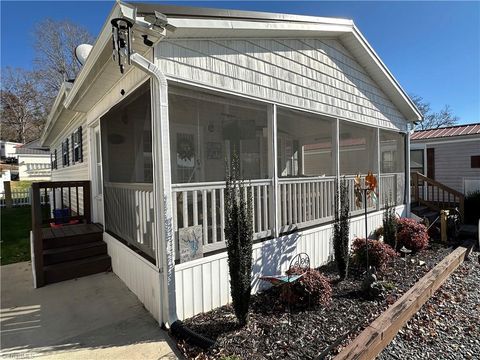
(304, 143)
(77, 146)
(65, 157)
(53, 159)
(417, 161)
(475, 162)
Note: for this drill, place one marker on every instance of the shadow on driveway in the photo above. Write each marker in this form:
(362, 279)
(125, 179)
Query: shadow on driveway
(94, 317)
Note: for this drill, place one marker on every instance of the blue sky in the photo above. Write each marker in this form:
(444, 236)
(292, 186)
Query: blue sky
(432, 48)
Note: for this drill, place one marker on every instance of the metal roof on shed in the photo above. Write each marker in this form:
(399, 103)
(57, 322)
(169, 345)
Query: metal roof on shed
(459, 130)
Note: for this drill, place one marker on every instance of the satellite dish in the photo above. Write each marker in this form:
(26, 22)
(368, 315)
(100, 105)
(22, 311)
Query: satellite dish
(82, 51)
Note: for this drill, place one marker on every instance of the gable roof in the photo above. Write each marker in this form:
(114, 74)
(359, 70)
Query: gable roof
(192, 22)
(447, 132)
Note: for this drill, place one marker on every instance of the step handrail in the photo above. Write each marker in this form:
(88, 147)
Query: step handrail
(418, 177)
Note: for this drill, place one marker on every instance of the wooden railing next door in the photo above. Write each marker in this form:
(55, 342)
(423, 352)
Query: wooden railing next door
(435, 195)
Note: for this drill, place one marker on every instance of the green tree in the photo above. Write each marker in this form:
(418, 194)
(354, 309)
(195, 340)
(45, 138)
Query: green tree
(239, 239)
(341, 228)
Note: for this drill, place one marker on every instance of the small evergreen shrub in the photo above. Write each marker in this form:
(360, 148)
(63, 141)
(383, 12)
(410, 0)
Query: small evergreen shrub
(390, 225)
(472, 207)
(312, 288)
(341, 229)
(379, 253)
(239, 240)
(411, 234)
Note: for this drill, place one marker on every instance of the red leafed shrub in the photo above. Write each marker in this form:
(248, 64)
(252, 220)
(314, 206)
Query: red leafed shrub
(312, 288)
(411, 234)
(379, 253)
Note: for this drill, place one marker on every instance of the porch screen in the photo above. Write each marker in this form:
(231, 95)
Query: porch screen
(127, 171)
(304, 144)
(357, 148)
(392, 165)
(206, 129)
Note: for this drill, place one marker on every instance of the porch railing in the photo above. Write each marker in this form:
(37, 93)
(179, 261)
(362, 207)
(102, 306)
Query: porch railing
(392, 188)
(435, 195)
(305, 202)
(50, 195)
(129, 214)
(203, 204)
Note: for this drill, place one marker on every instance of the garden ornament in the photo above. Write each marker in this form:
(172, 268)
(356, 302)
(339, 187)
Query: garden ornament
(370, 285)
(405, 252)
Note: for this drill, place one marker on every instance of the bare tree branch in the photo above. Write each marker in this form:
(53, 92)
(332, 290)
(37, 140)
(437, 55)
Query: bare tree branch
(432, 119)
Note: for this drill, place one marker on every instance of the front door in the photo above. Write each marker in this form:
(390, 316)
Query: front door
(97, 179)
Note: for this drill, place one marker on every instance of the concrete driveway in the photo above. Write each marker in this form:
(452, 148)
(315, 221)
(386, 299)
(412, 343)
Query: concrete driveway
(94, 317)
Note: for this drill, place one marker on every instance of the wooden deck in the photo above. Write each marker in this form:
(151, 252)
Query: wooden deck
(71, 230)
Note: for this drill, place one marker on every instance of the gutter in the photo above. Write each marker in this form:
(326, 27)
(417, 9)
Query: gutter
(162, 187)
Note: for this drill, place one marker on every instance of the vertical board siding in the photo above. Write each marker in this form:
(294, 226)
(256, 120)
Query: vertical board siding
(141, 277)
(314, 74)
(203, 284)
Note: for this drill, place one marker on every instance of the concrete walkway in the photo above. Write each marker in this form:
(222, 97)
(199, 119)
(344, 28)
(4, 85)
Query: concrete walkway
(94, 317)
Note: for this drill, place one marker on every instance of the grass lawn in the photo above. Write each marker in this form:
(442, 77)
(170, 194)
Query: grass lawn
(15, 236)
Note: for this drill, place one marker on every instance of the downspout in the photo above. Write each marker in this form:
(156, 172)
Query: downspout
(162, 186)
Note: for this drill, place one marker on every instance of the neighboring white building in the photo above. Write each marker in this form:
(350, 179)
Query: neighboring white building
(34, 162)
(8, 149)
(302, 100)
(449, 155)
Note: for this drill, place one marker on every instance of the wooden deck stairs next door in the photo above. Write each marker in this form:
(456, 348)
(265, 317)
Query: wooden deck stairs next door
(429, 197)
(68, 251)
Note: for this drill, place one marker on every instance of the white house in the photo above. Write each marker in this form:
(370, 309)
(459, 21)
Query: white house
(8, 149)
(449, 155)
(33, 162)
(303, 101)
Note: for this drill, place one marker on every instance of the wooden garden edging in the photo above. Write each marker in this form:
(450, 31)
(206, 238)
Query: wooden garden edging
(383, 329)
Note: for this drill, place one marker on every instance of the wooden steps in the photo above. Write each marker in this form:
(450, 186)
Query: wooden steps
(77, 268)
(73, 251)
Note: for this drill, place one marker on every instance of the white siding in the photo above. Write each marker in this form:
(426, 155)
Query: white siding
(79, 170)
(34, 167)
(318, 75)
(453, 163)
(203, 284)
(141, 277)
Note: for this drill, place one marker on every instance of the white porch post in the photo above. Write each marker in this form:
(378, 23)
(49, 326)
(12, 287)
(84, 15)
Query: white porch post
(273, 167)
(336, 156)
(162, 187)
(378, 170)
(407, 172)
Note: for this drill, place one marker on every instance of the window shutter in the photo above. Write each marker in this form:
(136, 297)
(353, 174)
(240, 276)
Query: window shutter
(73, 148)
(51, 161)
(55, 164)
(64, 162)
(66, 151)
(80, 138)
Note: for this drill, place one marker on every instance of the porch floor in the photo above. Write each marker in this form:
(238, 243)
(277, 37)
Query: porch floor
(94, 317)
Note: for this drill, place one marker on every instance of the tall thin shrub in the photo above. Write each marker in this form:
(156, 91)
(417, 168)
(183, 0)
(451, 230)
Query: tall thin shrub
(389, 225)
(239, 239)
(341, 228)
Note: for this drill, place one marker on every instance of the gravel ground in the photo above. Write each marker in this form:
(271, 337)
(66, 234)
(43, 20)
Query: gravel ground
(448, 325)
(268, 334)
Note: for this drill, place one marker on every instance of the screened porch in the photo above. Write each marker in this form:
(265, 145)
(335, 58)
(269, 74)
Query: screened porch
(291, 161)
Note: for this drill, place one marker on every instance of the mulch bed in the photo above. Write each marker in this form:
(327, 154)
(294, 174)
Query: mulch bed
(268, 334)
